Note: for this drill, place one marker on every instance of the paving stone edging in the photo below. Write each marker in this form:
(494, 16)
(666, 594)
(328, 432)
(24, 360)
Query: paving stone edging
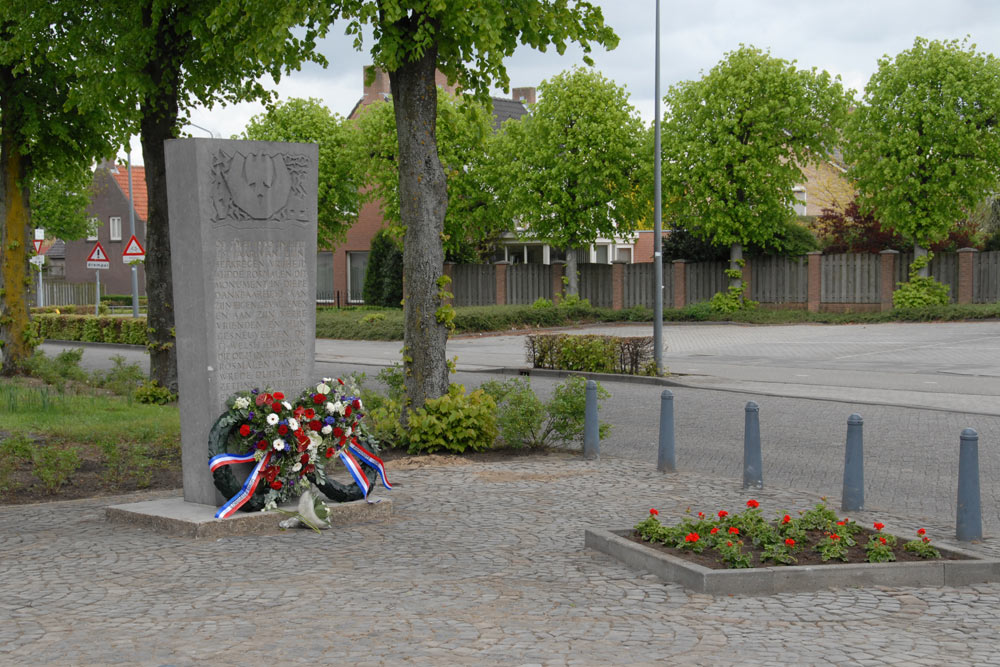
(793, 578)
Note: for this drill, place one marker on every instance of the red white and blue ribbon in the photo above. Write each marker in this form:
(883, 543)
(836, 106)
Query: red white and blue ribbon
(372, 460)
(249, 485)
(354, 468)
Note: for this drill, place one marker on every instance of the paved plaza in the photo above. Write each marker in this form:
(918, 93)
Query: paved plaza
(484, 563)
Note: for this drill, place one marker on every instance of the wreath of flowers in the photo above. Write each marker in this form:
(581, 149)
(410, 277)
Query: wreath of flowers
(297, 437)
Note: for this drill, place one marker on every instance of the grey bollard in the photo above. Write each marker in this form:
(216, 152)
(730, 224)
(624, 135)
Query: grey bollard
(752, 463)
(665, 461)
(591, 431)
(853, 498)
(969, 522)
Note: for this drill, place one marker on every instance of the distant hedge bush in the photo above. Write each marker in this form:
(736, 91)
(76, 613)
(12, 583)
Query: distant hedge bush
(591, 354)
(91, 328)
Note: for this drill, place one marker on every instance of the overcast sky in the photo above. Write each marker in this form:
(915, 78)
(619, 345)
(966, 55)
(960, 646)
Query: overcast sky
(844, 37)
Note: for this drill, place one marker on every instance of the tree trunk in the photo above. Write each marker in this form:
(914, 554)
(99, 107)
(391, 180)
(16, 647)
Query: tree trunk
(920, 251)
(423, 200)
(572, 273)
(735, 258)
(15, 220)
(157, 124)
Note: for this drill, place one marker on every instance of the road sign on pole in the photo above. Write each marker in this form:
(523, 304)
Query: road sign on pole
(38, 245)
(38, 260)
(98, 259)
(134, 252)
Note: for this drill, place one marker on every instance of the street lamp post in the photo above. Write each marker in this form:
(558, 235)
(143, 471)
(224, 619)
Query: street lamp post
(657, 213)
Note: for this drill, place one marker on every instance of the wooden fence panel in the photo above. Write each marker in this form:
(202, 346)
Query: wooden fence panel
(640, 285)
(595, 284)
(527, 283)
(779, 279)
(851, 279)
(474, 284)
(704, 279)
(986, 275)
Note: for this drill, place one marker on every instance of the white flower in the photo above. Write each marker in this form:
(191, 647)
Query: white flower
(293, 424)
(348, 431)
(297, 467)
(288, 406)
(323, 389)
(329, 408)
(327, 430)
(279, 444)
(272, 419)
(242, 403)
(314, 442)
(338, 408)
(327, 380)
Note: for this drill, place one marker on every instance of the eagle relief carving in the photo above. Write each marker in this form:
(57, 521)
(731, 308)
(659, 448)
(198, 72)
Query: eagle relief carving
(259, 187)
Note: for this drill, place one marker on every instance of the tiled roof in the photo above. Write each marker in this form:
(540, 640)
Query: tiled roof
(138, 188)
(57, 250)
(505, 110)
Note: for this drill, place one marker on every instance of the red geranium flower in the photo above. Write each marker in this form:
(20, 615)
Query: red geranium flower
(282, 429)
(701, 515)
(733, 530)
(729, 544)
(786, 519)
(319, 399)
(244, 430)
(723, 514)
(276, 407)
(882, 540)
(654, 512)
(921, 531)
(834, 536)
(315, 424)
(789, 542)
(691, 537)
(276, 485)
(926, 539)
(278, 396)
(329, 452)
(753, 504)
(310, 413)
(347, 411)
(841, 523)
(298, 411)
(338, 432)
(262, 444)
(714, 530)
(878, 526)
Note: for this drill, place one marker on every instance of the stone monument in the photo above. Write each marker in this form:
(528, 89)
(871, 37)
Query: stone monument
(243, 255)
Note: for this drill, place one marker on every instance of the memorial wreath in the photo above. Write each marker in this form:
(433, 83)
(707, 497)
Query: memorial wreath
(289, 442)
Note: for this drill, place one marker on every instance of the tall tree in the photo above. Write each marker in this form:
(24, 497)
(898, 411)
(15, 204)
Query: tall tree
(464, 141)
(46, 130)
(466, 40)
(309, 121)
(172, 55)
(733, 143)
(923, 144)
(574, 163)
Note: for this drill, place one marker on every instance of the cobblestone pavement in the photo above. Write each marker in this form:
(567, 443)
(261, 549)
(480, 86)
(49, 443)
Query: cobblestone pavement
(482, 564)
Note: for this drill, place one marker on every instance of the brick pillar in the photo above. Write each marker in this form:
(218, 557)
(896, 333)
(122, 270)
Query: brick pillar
(814, 281)
(680, 282)
(501, 275)
(449, 270)
(617, 285)
(966, 276)
(557, 271)
(888, 277)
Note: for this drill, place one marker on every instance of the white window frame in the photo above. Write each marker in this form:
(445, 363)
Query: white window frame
(350, 255)
(115, 228)
(93, 227)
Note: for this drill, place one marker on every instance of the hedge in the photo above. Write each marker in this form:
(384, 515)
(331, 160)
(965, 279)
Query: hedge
(91, 328)
(631, 355)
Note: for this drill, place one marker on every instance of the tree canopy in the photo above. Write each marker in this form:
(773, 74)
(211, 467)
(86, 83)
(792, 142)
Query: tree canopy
(733, 143)
(59, 203)
(573, 164)
(923, 144)
(309, 121)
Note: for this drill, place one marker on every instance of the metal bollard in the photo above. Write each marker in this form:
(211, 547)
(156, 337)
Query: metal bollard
(665, 461)
(591, 431)
(752, 463)
(969, 520)
(853, 498)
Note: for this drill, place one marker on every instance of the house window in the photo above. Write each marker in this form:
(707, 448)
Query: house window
(800, 205)
(357, 264)
(601, 253)
(116, 228)
(324, 277)
(93, 225)
(534, 253)
(625, 255)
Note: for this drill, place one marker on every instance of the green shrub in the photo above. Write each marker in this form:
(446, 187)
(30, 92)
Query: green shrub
(91, 328)
(54, 466)
(57, 370)
(454, 422)
(384, 276)
(122, 379)
(567, 409)
(591, 353)
(542, 302)
(920, 291)
(13, 450)
(151, 392)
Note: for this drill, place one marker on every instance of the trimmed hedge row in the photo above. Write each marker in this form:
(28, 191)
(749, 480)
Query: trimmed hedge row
(591, 353)
(91, 329)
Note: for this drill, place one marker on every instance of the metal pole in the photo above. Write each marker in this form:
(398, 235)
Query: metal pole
(853, 498)
(657, 213)
(97, 299)
(665, 460)
(591, 430)
(41, 288)
(969, 520)
(752, 461)
(131, 231)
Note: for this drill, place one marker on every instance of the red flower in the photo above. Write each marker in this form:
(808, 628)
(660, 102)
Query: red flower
(282, 429)
(356, 403)
(753, 503)
(879, 526)
(834, 536)
(298, 411)
(921, 531)
(340, 381)
(347, 411)
(926, 539)
(789, 542)
(882, 540)
(329, 452)
(723, 514)
(786, 519)
(714, 530)
(729, 544)
(276, 485)
(244, 430)
(270, 473)
(276, 407)
(278, 396)
(338, 432)
(260, 400)
(262, 444)
(654, 512)
(310, 413)
(733, 530)
(309, 469)
(701, 515)
(841, 523)
(268, 399)
(315, 424)
(691, 537)
(304, 459)
(318, 399)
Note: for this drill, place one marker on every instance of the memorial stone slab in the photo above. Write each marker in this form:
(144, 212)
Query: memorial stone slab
(243, 255)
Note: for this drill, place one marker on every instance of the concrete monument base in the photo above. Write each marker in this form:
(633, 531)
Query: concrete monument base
(175, 516)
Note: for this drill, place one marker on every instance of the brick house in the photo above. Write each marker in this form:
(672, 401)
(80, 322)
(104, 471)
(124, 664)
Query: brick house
(109, 215)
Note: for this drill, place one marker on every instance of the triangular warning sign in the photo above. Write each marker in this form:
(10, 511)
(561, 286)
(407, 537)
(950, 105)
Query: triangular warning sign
(97, 254)
(38, 246)
(133, 249)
